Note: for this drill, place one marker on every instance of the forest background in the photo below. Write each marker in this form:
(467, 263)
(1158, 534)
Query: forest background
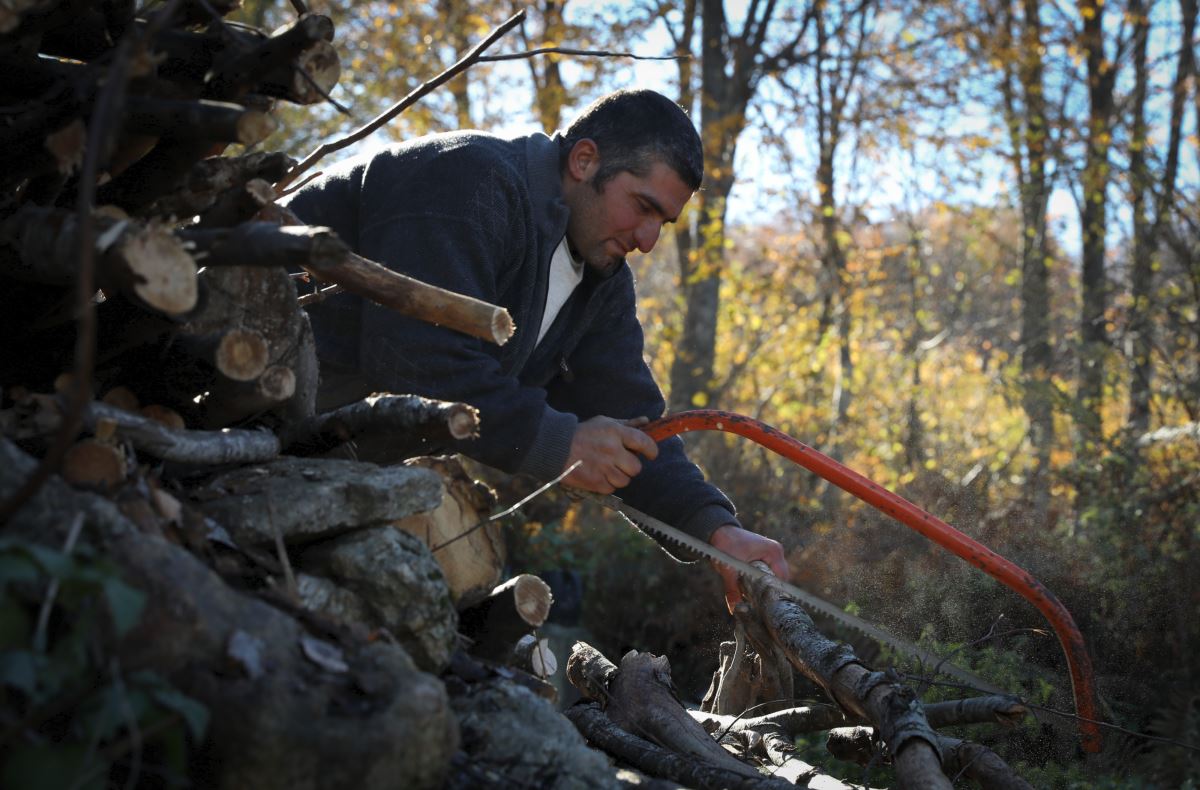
(953, 245)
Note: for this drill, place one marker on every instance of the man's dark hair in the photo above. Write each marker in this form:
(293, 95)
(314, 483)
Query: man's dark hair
(633, 129)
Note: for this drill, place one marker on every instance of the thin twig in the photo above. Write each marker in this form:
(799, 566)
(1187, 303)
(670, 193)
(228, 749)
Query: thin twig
(300, 7)
(387, 115)
(101, 126)
(296, 188)
(43, 620)
(316, 297)
(587, 53)
(512, 509)
(288, 576)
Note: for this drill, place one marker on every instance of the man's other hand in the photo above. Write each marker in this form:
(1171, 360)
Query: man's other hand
(746, 546)
(609, 451)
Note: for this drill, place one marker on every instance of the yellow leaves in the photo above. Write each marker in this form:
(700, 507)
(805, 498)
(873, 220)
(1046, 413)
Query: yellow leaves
(1087, 11)
(827, 211)
(700, 400)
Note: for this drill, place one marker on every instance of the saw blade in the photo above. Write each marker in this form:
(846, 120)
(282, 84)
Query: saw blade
(814, 603)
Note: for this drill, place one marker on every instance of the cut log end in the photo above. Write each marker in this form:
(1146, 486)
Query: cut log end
(463, 422)
(242, 355)
(534, 655)
(532, 598)
(277, 384)
(502, 327)
(94, 464)
(166, 271)
(254, 127)
(320, 62)
(163, 416)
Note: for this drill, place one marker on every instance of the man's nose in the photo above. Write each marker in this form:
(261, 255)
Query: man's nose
(646, 235)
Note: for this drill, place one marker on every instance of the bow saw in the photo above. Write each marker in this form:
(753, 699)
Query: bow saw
(1009, 574)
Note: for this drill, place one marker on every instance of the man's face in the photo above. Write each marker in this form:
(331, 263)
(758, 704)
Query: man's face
(626, 214)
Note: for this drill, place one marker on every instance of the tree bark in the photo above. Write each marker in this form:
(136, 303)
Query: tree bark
(657, 761)
(143, 261)
(369, 719)
(217, 122)
(639, 698)
(408, 423)
(891, 707)
(510, 612)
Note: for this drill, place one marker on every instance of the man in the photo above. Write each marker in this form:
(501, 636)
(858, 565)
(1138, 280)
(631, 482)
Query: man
(540, 225)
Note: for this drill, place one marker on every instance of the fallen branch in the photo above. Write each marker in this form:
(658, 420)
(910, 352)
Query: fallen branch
(994, 709)
(643, 755)
(891, 707)
(959, 758)
(638, 697)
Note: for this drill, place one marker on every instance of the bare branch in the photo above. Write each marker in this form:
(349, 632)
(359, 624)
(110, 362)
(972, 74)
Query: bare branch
(387, 115)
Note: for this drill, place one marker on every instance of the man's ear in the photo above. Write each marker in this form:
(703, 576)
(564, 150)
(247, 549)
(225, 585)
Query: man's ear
(584, 160)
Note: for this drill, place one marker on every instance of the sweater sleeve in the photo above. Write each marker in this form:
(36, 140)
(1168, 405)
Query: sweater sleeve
(609, 376)
(458, 221)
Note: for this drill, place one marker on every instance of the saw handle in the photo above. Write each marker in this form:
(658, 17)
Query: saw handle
(1079, 663)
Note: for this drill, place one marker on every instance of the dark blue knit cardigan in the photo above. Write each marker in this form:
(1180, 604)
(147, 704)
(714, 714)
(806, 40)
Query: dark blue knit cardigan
(481, 215)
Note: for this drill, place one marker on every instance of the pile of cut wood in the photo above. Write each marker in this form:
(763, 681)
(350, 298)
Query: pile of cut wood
(346, 624)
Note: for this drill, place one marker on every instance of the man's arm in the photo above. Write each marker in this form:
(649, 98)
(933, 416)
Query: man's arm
(450, 222)
(613, 393)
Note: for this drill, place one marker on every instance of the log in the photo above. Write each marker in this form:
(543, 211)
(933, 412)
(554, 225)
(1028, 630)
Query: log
(143, 261)
(960, 758)
(975, 761)
(645, 756)
(512, 610)
(236, 205)
(262, 299)
(406, 295)
(590, 672)
(407, 423)
(534, 655)
(42, 416)
(372, 721)
(200, 119)
(890, 707)
(92, 463)
(163, 416)
(271, 66)
(264, 244)
(210, 177)
(159, 172)
(237, 354)
(471, 556)
(231, 401)
(639, 698)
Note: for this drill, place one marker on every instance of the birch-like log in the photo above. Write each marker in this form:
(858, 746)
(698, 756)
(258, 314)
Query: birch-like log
(406, 295)
(142, 260)
(891, 707)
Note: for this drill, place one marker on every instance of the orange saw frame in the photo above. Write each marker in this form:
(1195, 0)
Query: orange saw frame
(1083, 682)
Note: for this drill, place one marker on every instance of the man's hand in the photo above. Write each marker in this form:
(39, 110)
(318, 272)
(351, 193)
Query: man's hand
(746, 546)
(608, 449)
